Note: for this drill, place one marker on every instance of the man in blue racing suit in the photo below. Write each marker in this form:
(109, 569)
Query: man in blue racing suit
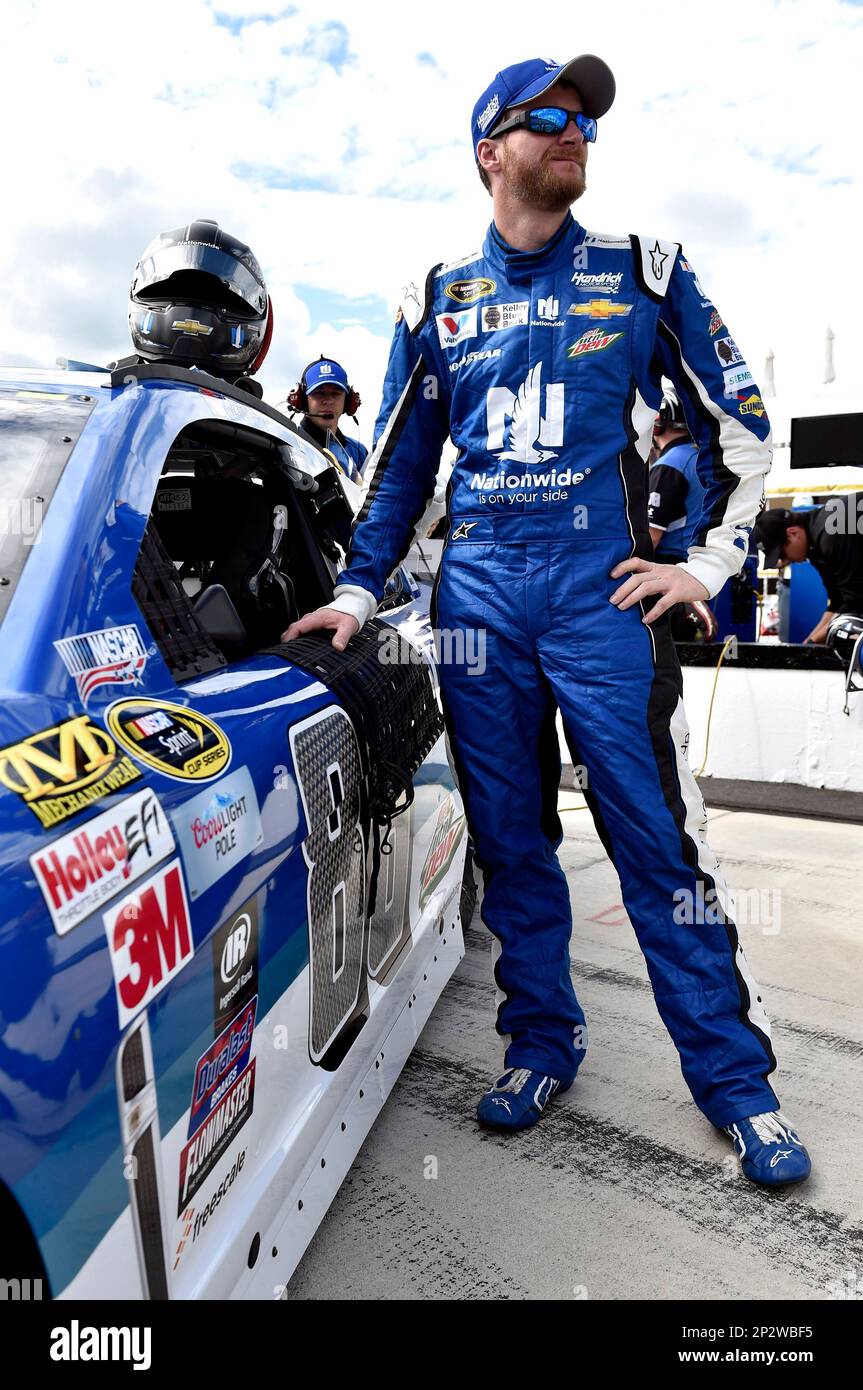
(541, 355)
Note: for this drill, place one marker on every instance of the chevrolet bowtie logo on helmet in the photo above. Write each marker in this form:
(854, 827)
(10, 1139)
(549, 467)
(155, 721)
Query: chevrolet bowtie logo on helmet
(191, 326)
(198, 299)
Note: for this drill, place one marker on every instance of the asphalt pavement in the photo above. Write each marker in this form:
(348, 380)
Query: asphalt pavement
(624, 1190)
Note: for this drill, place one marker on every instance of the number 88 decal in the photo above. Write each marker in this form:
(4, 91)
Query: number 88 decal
(327, 764)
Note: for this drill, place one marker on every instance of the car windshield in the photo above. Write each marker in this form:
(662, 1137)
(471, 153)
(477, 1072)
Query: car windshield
(38, 431)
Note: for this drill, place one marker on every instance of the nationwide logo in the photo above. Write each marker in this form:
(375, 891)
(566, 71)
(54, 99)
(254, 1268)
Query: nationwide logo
(149, 940)
(752, 405)
(600, 309)
(113, 656)
(595, 340)
(192, 327)
(455, 327)
(606, 282)
(445, 841)
(173, 739)
(548, 308)
(220, 1066)
(60, 771)
(469, 291)
(88, 867)
(715, 323)
(517, 426)
(557, 477)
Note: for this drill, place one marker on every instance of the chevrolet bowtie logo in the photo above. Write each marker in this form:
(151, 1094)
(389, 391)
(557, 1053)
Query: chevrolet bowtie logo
(601, 309)
(191, 326)
(461, 532)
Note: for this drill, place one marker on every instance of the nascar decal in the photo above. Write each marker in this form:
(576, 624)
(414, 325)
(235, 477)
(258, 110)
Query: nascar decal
(469, 291)
(217, 829)
(149, 940)
(89, 866)
(455, 327)
(445, 841)
(220, 1066)
(595, 340)
(62, 770)
(195, 1219)
(113, 656)
(235, 963)
(173, 739)
(600, 309)
(217, 1133)
(496, 316)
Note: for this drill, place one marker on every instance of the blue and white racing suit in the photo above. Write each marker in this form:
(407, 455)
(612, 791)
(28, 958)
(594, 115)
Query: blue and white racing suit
(544, 367)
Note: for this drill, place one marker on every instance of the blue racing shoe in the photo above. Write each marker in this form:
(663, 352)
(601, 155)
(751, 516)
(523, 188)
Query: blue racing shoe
(517, 1099)
(769, 1150)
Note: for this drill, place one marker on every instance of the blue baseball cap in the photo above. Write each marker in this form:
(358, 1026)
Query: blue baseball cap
(325, 372)
(524, 81)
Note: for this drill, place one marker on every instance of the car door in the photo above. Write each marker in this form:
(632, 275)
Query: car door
(225, 933)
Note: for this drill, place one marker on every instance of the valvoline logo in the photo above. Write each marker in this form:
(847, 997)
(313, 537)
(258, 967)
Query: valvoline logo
(221, 1065)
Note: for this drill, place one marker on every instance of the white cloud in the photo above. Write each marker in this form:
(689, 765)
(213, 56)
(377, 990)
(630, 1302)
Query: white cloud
(735, 130)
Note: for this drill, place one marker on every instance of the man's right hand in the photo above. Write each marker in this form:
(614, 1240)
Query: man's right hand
(343, 625)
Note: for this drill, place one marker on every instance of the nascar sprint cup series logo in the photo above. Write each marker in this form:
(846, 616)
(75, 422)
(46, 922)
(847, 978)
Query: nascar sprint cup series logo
(172, 739)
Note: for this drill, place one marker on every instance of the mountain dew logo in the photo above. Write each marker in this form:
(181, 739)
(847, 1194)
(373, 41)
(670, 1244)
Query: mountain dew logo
(445, 841)
(595, 340)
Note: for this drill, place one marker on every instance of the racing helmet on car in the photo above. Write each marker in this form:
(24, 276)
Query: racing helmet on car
(199, 299)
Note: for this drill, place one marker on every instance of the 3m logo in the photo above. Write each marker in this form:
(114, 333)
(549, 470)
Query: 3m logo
(59, 771)
(149, 939)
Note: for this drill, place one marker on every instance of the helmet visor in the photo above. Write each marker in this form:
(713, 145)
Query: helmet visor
(159, 264)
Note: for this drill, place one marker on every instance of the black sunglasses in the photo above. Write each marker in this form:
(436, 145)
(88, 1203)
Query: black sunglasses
(548, 120)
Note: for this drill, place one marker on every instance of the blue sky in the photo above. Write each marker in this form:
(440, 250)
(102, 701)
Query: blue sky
(334, 139)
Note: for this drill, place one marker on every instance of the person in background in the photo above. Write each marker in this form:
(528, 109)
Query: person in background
(324, 394)
(829, 538)
(676, 493)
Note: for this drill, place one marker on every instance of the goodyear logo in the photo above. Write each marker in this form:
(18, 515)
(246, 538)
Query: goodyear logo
(60, 771)
(753, 405)
(601, 309)
(191, 326)
(172, 739)
(469, 291)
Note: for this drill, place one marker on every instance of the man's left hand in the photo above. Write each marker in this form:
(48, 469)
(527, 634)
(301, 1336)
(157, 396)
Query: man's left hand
(647, 578)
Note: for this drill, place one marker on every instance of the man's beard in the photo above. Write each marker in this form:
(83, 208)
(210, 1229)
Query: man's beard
(540, 185)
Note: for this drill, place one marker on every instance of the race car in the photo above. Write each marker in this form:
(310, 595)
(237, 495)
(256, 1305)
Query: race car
(232, 868)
